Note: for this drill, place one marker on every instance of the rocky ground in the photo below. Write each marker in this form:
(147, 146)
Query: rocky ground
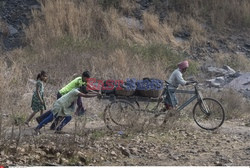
(184, 144)
(180, 143)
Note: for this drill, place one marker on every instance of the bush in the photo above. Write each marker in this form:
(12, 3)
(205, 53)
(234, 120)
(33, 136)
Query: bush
(235, 106)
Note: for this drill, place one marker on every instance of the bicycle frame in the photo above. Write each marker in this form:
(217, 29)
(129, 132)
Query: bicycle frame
(197, 95)
(190, 100)
(195, 92)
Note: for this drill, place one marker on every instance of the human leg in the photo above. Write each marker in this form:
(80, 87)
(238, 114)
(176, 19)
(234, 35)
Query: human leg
(170, 98)
(63, 123)
(170, 102)
(42, 117)
(48, 119)
(54, 124)
(30, 117)
(79, 101)
(41, 112)
(80, 109)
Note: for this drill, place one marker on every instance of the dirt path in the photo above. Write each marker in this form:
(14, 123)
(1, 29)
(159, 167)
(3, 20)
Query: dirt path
(235, 128)
(183, 146)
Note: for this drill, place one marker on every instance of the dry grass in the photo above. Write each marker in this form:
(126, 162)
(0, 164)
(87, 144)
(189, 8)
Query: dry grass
(11, 90)
(236, 61)
(155, 31)
(187, 24)
(232, 12)
(87, 20)
(72, 36)
(120, 64)
(83, 20)
(220, 13)
(236, 107)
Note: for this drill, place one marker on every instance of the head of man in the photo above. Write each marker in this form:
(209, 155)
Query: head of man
(183, 66)
(85, 76)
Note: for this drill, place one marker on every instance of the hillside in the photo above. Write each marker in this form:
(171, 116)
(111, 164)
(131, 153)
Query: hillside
(120, 39)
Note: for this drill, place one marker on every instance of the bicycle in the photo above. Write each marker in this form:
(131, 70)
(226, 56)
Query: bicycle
(123, 111)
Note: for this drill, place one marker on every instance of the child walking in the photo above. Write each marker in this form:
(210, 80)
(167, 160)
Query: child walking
(37, 103)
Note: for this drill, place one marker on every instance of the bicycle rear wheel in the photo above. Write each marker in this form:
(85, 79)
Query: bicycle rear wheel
(120, 115)
(152, 115)
(208, 114)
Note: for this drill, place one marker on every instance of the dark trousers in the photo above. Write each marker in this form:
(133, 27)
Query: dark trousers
(62, 120)
(48, 118)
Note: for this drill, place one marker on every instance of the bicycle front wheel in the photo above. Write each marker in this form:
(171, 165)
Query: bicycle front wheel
(208, 114)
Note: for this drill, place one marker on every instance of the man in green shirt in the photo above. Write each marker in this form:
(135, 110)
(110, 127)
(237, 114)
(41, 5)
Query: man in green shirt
(74, 84)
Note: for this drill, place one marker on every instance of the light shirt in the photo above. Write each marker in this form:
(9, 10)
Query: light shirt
(63, 106)
(76, 83)
(176, 78)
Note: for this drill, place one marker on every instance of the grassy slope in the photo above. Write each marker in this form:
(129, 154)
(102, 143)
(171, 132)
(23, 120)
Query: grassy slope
(67, 37)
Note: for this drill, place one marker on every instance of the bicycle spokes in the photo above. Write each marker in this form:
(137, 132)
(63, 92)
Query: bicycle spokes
(208, 114)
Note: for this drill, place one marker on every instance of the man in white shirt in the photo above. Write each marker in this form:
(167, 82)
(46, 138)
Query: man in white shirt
(174, 81)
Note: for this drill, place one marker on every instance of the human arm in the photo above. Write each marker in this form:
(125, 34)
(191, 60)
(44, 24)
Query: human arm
(91, 88)
(88, 95)
(93, 91)
(86, 89)
(191, 82)
(179, 78)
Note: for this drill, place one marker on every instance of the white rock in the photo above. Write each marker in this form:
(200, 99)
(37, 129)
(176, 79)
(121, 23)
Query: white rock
(12, 30)
(242, 83)
(217, 82)
(113, 153)
(130, 22)
(229, 69)
(226, 70)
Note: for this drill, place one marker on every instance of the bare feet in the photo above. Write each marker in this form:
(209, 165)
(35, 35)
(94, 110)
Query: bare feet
(37, 131)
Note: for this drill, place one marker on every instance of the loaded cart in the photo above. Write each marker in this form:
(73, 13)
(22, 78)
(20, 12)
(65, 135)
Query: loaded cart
(141, 108)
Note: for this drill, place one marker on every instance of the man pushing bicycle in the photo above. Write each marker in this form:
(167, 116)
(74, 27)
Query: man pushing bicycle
(175, 79)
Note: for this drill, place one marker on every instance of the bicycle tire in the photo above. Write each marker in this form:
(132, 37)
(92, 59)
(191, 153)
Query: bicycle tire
(159, 119)
(160, 116)
(119, 115)
(155, 116)
(215, 115)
